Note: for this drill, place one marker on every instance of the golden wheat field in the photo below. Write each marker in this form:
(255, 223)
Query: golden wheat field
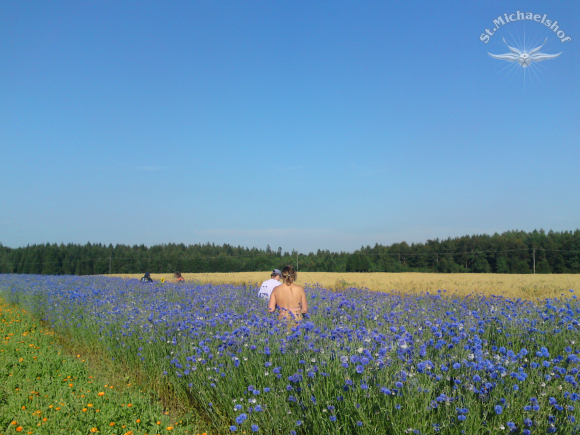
(512, 286)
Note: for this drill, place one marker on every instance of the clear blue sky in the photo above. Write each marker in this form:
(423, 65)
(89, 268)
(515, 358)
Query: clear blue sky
(304, 125)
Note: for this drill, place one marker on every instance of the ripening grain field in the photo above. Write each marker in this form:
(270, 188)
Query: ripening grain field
(364, 362)
(528, 287)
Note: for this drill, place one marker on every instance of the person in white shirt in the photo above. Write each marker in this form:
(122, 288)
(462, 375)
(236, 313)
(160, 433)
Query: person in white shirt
(269, 285)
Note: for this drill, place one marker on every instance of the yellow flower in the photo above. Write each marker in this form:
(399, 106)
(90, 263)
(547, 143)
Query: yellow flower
(162, 280)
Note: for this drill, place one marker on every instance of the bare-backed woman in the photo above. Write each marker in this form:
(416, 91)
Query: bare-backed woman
(288, 297)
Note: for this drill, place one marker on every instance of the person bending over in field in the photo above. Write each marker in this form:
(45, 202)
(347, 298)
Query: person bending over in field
(147, 277)
(178, 277)
(289, 298)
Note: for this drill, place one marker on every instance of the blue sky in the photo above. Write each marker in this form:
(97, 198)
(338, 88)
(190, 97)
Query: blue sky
(304, 125)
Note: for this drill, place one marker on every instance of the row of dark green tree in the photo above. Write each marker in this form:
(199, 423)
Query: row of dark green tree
(510, 252)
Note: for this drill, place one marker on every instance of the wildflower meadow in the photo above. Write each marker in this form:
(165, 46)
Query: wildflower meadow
(362, 362)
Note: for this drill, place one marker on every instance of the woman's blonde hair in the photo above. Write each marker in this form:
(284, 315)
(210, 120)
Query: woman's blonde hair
(289, 275)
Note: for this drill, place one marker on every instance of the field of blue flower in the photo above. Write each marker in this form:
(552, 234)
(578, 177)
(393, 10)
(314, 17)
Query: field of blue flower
(363, 362)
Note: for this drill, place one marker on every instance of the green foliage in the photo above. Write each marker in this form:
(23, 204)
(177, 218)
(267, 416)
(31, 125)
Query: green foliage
(47, 391)
(501, 265)
(510, 252)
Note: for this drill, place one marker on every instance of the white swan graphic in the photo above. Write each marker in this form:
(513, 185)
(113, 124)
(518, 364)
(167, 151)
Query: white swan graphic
(524, 58)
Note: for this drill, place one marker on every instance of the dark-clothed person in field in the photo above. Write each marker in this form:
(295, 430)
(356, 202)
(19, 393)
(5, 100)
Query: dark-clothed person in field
(146, 277)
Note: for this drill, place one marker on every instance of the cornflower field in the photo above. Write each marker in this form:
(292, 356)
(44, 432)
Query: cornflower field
(362, 362)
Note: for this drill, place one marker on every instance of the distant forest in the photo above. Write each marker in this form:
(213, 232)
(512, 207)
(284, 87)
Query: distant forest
(510, 252)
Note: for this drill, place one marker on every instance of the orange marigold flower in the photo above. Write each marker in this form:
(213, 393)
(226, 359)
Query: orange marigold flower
(112, 423)
(84, 409)
(138, 420)
(14, 423)
(70, 385)
(169, 427)
(93, 430)
(19, 429)
(158, 422)
(129, 405)
(101, 394)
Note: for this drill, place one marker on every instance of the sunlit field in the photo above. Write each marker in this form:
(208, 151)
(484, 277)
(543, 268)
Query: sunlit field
(362, 362)
(528, 287)
(46, 390)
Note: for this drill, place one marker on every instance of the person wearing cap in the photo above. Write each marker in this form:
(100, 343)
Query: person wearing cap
(269, 285)
(147, 277)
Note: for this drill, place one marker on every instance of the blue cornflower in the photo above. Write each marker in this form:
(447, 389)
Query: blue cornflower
(241, 418)
(333, 418)
(233, 428)
(298, 422)
(498, 409)
(461, 417)
(237, 407)
(477, 378)
(399, 385)
(360, 369)
(257, 408)
(255, 428)
(359, 423)
(456, 366)
(256, 392)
